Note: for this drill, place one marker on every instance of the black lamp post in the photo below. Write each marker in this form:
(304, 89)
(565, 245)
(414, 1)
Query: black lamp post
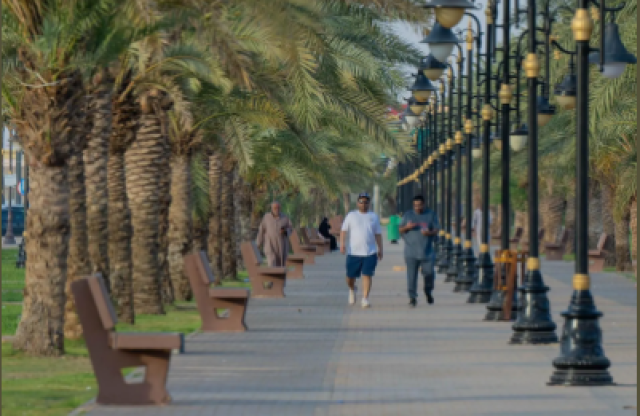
(533, 323)
(468, 260)
(582, 360)
(482, 287)
(442, 255)
(455, 264)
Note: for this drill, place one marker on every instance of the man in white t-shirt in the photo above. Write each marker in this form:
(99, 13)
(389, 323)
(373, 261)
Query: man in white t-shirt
(364, 247)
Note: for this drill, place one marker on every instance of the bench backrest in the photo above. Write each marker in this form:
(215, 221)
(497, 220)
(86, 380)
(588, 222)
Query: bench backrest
(305, 236)
(564, 237)
(198, 271)
(250, 255)
(602, 241)
(103, 304)
(518, 233)
(294, 239)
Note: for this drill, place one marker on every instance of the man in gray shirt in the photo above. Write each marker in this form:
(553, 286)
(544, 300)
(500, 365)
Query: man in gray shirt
(419, 229)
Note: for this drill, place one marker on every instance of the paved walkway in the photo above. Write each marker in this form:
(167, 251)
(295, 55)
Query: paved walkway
(310, 354)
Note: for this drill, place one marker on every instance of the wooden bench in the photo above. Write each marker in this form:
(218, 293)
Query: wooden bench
(555, 251)
(319, 245)
(110, 352)
(266, 282)
(295, 266)
(525, 244)
(597, 256)
(309, 252)
(515, 240)
(221, 309)
(315, 237)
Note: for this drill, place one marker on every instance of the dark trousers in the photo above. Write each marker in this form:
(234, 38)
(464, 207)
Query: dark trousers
(428, 273)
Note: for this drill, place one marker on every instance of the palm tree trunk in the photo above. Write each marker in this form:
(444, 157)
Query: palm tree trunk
(48, 125)
(78, 265)
(551, 212)
(608, 224)
(143, 184)
(244, 208)
(229, 265)
(126, 113)
(623, 248)
(346, 201)
(633, 224)
(41, 328)
(522, 221)
(215, 237)
(200, 221)
(180, 225)
(496, 222)
(96, 157)
(120, 233)
(595, 212)
(164, 192)
(570, 223)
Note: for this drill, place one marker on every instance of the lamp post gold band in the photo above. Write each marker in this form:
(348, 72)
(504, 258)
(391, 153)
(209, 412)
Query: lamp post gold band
(581, 282)
(484, 248)
(456, 240)
(531, 65)
(441, 233)
(468, 244)
(448, 236)
(533, 263)
(582, 25)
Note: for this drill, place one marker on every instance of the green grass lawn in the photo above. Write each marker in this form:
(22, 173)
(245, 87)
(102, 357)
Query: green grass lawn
(34, 386)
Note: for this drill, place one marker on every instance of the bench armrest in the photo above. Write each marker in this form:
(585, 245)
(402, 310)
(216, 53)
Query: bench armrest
(234, 293)
(146, 341)
(273, 270)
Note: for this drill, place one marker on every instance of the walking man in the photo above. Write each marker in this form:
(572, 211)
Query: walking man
(273, 236)
(364, 249)
(419, 229)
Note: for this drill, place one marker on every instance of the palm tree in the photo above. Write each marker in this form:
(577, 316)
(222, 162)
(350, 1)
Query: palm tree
(96, 160)
(49, 101)
(215, 222)
(143, 180)
(227, 226)
(183, 139)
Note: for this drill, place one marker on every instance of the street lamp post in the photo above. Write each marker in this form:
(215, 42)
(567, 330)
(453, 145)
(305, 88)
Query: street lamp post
(533, 323)
(468, 259)
(480, 291)
(582, 361)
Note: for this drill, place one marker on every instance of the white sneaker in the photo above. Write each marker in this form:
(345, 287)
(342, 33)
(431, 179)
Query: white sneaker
(365, 303)
(352, 296)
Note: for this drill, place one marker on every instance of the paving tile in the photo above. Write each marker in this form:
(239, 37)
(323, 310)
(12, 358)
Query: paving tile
(311, 354)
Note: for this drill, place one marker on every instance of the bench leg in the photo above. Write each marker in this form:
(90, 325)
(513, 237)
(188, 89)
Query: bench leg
(268, 286)
(294, 269)
(310, 257)
(113, 389)
(231, 319)
(596, 264)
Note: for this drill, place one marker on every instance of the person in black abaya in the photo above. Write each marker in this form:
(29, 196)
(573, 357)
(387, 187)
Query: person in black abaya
(324, 231)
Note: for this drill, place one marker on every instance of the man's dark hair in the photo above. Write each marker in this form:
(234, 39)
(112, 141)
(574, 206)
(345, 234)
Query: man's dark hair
(418, 198)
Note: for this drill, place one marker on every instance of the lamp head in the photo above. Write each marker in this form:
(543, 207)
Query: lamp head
(616, 56)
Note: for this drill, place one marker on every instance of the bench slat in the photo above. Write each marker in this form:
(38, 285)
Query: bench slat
(229, 293)
(146, 341)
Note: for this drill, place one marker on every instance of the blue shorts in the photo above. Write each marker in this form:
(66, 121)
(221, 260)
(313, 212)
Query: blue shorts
(357, 265)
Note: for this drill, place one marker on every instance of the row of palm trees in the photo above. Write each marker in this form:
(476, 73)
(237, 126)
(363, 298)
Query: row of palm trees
(153, 128)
